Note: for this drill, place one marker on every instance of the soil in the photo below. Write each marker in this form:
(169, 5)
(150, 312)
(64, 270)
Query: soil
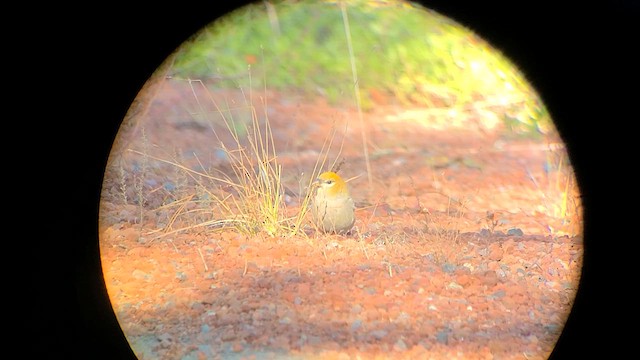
(467, 242)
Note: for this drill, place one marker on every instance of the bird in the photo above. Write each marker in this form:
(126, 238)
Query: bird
(333, 209)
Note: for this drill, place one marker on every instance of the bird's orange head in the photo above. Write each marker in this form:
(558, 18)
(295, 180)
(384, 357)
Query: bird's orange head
(332, 184)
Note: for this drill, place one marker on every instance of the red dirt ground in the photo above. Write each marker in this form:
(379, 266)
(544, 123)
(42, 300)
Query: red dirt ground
(465, 246)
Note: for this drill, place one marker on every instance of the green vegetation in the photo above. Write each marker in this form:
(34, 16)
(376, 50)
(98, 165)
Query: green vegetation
(402, 52)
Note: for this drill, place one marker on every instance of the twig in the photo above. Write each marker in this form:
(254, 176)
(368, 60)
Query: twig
(206, 268)
(244, 272)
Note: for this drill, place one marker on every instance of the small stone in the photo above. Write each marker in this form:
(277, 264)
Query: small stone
(400, 345)
(515, 232)
(378, 334)
(370, 291)
(429, 257)
(140, 275)
(532, 339)
(552, 284)
(181, 276)
(448, 268)
(403, 318)
(552, 328)
(356, 324)
(497, 295)
(454, 286)
(490, 278)
(165, 340)
(442, 337)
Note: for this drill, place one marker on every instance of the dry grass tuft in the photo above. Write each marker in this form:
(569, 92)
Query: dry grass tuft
(247, 194)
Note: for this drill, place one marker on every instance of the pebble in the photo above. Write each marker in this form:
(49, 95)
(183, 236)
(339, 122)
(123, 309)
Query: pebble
(141, 275)
(484, 233)
(181, 276)
(403, 318)
(490, 278)
(448, 268)
(400, 345)
(442, 337)
(515, 232)
(378, 334)
(552, 328)
(165, 340)
(370, 291)
(497, 295)
(454, 286)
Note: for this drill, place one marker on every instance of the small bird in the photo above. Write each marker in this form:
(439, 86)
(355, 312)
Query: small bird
(332, 208)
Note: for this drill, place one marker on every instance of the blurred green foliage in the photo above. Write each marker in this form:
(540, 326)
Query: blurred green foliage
(408, 53)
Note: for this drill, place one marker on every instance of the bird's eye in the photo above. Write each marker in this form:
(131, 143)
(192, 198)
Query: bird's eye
(329, 182)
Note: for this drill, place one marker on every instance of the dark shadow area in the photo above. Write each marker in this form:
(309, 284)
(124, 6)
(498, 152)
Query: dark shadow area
(261, 314)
